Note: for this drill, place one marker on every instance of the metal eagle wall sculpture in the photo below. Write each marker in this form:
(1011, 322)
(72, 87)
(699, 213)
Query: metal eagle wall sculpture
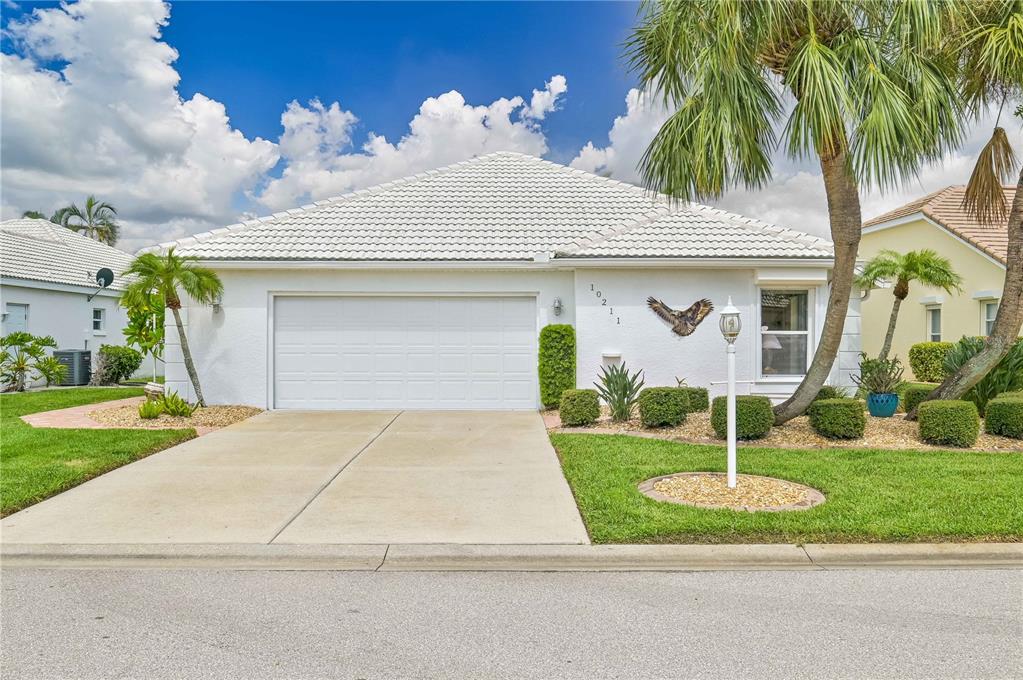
(685, 322)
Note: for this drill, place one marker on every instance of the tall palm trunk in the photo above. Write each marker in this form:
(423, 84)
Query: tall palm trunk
(193, 375)
(846, 224)
(1007, 322)
(890, 335)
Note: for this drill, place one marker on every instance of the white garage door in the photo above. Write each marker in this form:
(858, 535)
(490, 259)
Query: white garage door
(405, 352)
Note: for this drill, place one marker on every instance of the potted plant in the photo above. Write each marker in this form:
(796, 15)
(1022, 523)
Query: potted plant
(881, 380)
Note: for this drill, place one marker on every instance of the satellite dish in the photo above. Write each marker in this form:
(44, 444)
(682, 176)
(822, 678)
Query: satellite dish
(104, 277)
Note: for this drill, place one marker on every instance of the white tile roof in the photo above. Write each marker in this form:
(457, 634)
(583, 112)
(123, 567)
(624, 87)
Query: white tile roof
(40, 250)
(499, 207)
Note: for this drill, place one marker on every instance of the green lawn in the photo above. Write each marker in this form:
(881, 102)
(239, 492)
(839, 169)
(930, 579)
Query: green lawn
(36, 463)
(871, 495)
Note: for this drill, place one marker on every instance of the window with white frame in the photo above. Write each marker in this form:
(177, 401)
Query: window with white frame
(99, 320)
(784, 332)
(988, 312)
(934, 324)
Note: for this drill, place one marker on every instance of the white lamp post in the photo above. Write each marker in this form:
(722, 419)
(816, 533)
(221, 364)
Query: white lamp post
(730, 326)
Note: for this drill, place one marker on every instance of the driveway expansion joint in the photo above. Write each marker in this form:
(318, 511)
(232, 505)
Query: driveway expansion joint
(333, 477)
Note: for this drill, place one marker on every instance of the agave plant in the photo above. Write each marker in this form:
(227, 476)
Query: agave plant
(620, 390)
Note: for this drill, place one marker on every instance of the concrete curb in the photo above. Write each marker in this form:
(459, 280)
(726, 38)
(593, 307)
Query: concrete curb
(407, 557)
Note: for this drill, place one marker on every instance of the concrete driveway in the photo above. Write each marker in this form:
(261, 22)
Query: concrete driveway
(327, 477)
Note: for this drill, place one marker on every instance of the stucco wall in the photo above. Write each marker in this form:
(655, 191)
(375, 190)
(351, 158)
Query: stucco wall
(231, 346)
(67, 316)
(960, 313)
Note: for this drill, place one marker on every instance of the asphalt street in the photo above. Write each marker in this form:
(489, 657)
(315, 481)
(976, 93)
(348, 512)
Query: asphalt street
(264, 624)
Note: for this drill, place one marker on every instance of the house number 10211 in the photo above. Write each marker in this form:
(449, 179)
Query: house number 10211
(603, 303)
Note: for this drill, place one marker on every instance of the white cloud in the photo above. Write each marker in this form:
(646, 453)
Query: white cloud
(111, 122)
(795, 196)
(447, 129)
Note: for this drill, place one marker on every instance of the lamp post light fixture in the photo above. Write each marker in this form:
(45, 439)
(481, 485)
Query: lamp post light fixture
(730, 325)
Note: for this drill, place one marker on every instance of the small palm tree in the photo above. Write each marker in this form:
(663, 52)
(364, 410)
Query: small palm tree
(162, 276)
(34, 215)
(925, 266)
(97, 221)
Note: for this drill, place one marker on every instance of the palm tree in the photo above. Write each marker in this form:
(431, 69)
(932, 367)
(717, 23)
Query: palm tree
(97, 221)
(871, 93)
(162, 275)
(991, 62)
(925, 266)
(33, 215)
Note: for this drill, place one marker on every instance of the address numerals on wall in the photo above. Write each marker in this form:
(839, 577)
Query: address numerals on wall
(604, 303)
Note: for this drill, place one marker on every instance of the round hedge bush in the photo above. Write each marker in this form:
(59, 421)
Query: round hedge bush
(838, 418)
(579, 407)
(914, 395)
(1004, 416)
(949, 422)
(697, 397)
(753, 417)
(927, 360)
(662, 406)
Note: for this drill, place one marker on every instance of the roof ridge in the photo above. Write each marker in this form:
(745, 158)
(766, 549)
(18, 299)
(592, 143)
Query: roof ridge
(325, 202)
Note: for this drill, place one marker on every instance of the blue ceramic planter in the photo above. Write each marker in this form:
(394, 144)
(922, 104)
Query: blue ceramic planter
(882, 405)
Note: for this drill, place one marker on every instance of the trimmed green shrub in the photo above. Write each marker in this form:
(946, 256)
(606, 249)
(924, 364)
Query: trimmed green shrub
(949, 422)
(838, 418)
(579, 407)
(831, 392)
(663, 406)
(556, 366)
(1004, 416)
(150, 409)
(753, 417)
(698, 398)
(927, 360)
(1018, 394)
(914, 395)
(114, 363)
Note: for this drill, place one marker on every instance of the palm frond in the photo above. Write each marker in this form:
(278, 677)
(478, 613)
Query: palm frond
(984, 199)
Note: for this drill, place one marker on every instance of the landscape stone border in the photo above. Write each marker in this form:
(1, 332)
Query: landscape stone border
(813, 496)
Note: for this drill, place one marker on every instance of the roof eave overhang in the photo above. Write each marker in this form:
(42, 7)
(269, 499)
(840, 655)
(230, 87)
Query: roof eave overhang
(552, 264)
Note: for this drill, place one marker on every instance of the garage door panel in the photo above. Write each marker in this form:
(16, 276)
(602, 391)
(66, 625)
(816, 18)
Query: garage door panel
(411, 352)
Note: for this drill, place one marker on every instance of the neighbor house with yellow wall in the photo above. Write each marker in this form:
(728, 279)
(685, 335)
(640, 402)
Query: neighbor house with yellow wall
(977, 253)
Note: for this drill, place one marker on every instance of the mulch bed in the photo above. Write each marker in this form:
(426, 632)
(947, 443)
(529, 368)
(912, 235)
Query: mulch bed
(209, 417)
(751, 493)
(881, 433)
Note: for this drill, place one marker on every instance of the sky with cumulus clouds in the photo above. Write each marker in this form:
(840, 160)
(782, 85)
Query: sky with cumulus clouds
(190, 116)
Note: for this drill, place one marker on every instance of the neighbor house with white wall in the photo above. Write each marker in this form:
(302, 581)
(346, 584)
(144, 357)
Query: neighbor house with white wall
(429, 292)
(48, 285)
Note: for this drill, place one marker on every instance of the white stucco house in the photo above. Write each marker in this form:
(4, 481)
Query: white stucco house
(47, 273)
(429, 292)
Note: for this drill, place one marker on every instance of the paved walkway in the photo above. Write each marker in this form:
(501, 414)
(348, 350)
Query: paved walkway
(327, 477)
(77, 417)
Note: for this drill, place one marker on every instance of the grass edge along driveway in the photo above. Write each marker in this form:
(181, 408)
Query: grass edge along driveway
(872, 495)
(36, 463)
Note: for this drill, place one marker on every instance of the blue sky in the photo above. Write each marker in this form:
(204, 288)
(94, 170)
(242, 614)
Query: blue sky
(381, 60)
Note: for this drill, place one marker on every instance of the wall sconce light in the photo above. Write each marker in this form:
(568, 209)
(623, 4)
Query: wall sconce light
(557, 306)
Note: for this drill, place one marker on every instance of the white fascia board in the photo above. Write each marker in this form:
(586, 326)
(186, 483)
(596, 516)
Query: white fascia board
(62, 287)
(920, 216)
(816, 275)
(490, 265)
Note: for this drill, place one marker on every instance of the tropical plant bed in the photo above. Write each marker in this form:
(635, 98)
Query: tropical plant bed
(209, 417)
(871, 495)
(881, 433)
